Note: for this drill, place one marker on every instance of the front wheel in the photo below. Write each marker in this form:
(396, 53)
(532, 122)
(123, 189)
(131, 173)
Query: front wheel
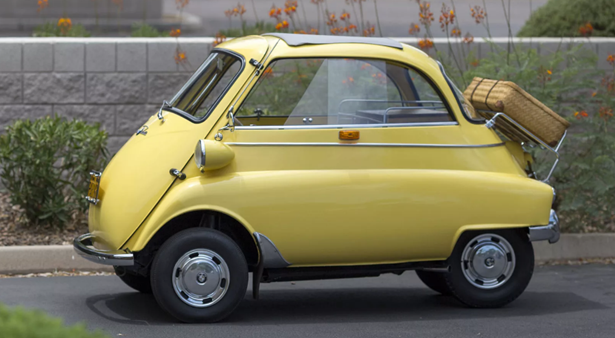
(199, 275)
(490, 268)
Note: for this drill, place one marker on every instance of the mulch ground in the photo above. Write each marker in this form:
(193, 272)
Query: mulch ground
(12, 232)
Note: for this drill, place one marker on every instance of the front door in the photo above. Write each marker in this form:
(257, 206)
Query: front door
(338, 147)
(140, 173)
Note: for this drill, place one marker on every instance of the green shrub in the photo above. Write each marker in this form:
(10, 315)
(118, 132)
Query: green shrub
(143, 30)
(51, 29)
(45, 166)
(559, 18)
(20, 323)
(569, 82)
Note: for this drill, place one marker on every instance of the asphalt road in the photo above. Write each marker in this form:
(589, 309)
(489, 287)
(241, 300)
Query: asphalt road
(395, 15)
(571, 301)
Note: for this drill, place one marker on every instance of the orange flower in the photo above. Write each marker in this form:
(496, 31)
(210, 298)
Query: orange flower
(176, 32)
(456, 32)
(42, 4)
(468, 38)
(65, 25)
(285, 24)
(586, 30)
(180, 56)
(240, 9)
(181, 3)
(549, 72)
(425, 14)
(220, 38)
(344, 16)
(611, 59)
(580, 114)
(605, 113)
(314, 31)
(414, 29)
(478, 13)
(275, 12)
(425, 44)
(268, 72)
(594, 94)
(369, 31)
(446, 18)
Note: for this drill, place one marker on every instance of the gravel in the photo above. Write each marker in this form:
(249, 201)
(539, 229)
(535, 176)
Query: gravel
(13, 232)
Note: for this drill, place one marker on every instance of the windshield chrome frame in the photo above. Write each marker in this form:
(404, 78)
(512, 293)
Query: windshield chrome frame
(195, 75)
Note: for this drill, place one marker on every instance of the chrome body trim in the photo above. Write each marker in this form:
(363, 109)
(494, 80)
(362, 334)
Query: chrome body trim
(342, 126)
(270, 256)
(335, 144)
(549, 232)
(83, 247)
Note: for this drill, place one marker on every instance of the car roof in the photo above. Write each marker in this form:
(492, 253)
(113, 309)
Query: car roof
(295, 40)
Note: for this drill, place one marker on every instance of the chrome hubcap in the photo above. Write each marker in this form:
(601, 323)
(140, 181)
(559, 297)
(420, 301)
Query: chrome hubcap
(201, 278)
(488, 261)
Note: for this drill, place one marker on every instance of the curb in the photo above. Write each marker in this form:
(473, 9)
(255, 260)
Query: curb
(44, 258)
(51, 258)
(577, 246)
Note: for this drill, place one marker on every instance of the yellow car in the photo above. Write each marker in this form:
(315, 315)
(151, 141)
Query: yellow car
(316, 157)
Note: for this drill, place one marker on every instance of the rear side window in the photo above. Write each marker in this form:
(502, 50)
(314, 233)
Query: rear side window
(341, 92)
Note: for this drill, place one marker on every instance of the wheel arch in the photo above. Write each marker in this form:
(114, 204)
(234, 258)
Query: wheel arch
(148, 239)
(482, 227)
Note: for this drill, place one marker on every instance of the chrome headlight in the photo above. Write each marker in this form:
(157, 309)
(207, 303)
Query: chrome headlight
(199, 155)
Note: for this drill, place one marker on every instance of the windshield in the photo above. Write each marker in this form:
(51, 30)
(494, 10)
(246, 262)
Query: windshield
(466, 107)
(201, 93)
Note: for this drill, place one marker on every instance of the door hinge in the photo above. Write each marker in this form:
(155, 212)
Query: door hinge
(142, 130)
(258, 65)
(177, 173)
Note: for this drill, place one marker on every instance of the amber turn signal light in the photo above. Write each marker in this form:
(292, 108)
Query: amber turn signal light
(349, 135)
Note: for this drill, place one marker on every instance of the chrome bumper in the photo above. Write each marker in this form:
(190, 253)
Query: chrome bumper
(549, 232)
(83, 247)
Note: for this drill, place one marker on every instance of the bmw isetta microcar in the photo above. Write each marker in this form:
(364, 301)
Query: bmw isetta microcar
(316, 157)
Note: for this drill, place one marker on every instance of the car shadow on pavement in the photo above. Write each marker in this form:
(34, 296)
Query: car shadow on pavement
(342, 305)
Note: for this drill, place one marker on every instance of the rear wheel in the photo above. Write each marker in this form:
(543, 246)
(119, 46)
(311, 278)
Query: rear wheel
(199, 275)
(434, 280)
(490, 268)
(137, 282)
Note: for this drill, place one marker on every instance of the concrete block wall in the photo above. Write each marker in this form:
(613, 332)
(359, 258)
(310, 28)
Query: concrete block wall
(119, 82)
(116, 82)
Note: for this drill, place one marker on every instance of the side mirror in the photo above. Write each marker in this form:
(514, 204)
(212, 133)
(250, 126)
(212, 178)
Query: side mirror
(211, 155)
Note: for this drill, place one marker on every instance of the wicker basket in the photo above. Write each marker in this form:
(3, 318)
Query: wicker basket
(507, 97)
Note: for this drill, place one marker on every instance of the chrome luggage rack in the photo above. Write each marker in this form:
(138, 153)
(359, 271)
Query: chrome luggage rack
(513, 131)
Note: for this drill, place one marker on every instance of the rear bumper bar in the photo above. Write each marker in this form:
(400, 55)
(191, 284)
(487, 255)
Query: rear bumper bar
(549, 232)
(83, 247)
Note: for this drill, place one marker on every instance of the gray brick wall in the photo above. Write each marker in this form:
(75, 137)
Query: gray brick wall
(115, 82)
(119, 82)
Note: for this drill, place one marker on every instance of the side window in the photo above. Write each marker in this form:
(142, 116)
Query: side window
(340, 92)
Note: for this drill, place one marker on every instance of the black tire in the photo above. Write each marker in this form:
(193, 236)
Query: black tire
(473, 296)
(137, 282)
(175, 248)
(435, 281)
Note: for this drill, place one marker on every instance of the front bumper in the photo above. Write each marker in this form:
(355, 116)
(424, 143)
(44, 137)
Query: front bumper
(549, 232)
(83, 247)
